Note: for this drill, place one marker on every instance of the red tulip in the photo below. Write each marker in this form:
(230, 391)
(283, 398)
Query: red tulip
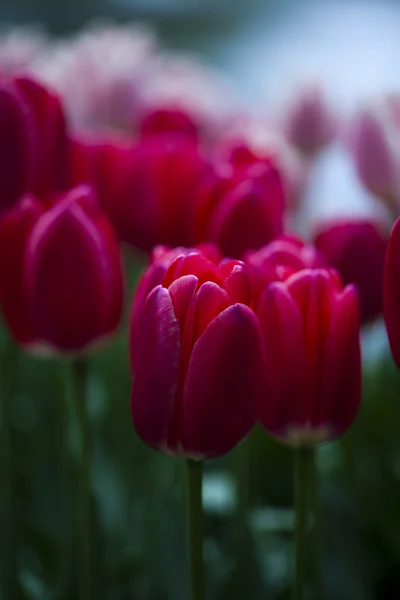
(391, 292)
(279, 259)
(145, 189)
(60, 273)
(357, 249)
(168, 120)
(239, 204)
(33, 141)
(198, 370)
(310, 326)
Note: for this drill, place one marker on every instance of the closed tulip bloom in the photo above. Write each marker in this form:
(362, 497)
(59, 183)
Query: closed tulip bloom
(33, 141)
(197, 374)
(310, 327)
(356, 248)
(50, 171)
(61, 281)
(309, 123)
(279, 259)
(144, 189)
(374, 142)
(168, 120)
(239, 204)
(391, 292)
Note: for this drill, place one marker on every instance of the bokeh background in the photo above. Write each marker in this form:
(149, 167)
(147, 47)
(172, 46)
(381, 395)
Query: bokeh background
(262, 49)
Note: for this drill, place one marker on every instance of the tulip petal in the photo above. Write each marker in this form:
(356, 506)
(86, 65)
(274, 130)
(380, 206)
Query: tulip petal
(222, 383)
(285, 361)
(16, 226)
(341, 379)
(16, 147)
(156, 369)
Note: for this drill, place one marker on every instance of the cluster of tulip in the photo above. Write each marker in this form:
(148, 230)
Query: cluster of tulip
(234, 321)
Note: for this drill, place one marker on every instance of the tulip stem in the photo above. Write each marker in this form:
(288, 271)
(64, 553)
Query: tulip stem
(315, 527)
(194, 508)
(9, 566)
(79, 372)
(303, 458)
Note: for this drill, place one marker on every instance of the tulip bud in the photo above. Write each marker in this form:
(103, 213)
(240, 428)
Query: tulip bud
(198, 372)
(239, 204)
(391, 292)
(52, 144)
(357, 249)
(309, 122)
(33, 142)
(60, 273)
(145, 189)
(279, 259)
(310, 327)
(168, 120)
(374, 141)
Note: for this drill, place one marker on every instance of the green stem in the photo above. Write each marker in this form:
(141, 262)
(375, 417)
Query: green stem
(243, 479)
(316, 541)
(303, 456)
(194, 482)
(9, 565)
(79, 372)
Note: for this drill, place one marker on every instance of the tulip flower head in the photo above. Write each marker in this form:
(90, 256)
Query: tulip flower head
(168, 120)
(356, 248)
(61, 283)
(197, 374)
(144, 189)
(374, 142)
(239, 203)
(310, 327)
(33, 141)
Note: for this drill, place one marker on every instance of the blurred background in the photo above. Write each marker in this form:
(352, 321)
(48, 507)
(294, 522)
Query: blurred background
(261, 49)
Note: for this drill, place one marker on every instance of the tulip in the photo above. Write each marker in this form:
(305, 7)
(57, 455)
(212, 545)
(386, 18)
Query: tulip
(198, 370)
(391, 292)
(168, 120)
(310, 327)
(60, 273)
(356, 248)
(144, 189)
(277, 260)
(309, 122)
(374, 142)
(239, 204)
(33, 141)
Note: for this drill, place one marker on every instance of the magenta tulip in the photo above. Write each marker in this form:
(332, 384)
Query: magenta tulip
(310, 327)
(61, 281)
(197, 374)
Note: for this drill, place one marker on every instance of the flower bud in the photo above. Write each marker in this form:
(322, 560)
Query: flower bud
(356, 248)
(198, 372)
(239, 204)
(310, 327)
(60, 273)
